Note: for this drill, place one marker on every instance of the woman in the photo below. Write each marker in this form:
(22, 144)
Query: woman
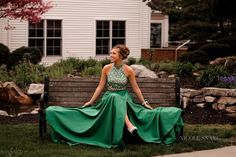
(102, 123)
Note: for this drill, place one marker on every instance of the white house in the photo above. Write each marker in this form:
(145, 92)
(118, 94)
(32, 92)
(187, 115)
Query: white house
(89, 28)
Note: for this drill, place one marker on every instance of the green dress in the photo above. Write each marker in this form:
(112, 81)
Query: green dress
(103, 123)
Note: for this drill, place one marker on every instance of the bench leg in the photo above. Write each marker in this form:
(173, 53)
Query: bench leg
(44, 123)
(41, 123)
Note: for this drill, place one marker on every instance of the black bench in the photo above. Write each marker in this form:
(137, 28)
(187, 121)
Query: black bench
(74, 92)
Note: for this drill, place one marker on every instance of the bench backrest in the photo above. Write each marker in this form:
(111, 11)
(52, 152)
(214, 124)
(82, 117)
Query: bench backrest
(75, 92)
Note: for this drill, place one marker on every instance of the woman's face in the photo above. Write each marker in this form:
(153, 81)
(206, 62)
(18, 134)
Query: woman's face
(115, 55)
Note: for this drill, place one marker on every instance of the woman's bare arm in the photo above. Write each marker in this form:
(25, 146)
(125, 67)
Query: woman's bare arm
(100, 86)
(135, 87)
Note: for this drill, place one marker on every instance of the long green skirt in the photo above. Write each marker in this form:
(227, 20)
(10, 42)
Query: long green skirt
(103, 123)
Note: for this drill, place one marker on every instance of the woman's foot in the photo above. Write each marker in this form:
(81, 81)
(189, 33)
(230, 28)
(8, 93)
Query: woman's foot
(133, 130)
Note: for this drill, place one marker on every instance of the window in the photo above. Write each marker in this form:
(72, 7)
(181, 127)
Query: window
(46, 36)
(155, 35)
(109, 34)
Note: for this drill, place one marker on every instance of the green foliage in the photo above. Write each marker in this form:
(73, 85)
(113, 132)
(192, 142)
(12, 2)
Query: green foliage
(131, 60)
(92, 71)
(4, 76)
(4, 53)
(104, 62)
(154, 67)
(197, 31)
(23, 75)
(146, 63)
(169, 67)
(31, 54)
(211, 74)
(215, 50)
(184, 69)
(197, 56)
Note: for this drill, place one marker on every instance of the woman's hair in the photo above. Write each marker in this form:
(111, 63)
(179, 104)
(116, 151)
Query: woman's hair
(123, 50)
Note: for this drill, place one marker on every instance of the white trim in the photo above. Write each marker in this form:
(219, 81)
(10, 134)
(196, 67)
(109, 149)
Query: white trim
(162, 31)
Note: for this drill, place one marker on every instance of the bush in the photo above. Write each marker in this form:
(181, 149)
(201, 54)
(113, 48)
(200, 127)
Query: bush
(4, 53)
(169, 67)
(211, 74)
(197, 56)
(183, 69)
(4, 76)
(105, 62)
(23, 75)
(215, 50)
(31, 54)
(230, 41)
(92, 71)
(131, 60)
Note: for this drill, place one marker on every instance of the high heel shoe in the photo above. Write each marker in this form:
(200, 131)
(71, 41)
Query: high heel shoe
(133, 130)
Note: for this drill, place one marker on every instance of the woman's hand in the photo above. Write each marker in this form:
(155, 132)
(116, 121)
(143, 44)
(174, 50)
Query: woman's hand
(87, 104)
(146, 104)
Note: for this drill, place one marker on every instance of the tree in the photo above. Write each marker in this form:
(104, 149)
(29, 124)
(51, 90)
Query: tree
(225, 13)
(198, 19)
(30, 10)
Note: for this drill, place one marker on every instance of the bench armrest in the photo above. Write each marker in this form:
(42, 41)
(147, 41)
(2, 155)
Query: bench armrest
(43, 100)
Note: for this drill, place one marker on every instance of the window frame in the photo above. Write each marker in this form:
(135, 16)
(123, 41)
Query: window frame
(111, 37)
(45, 37)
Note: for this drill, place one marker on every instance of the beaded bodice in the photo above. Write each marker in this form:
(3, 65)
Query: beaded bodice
(116, 79)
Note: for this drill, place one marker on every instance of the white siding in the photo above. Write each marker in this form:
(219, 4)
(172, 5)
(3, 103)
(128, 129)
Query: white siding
(79, 25)
(145, 18)
(4, 34)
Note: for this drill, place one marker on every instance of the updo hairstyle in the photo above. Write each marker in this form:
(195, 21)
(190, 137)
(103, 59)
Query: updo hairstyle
(123, 50)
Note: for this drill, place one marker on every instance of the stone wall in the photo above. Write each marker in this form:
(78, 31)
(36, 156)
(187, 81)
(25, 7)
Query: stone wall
(220, 99)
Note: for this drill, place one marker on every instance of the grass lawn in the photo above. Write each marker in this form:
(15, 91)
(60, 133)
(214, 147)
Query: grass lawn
(22, 140)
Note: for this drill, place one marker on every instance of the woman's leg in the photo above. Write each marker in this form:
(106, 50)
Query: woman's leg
(129, 125)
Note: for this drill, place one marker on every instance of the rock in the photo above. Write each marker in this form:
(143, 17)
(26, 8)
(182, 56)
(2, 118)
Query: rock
(221, 107)
(210, 99)
(230, 64)
(201, 105)
(199, 99)
(35, 89)
(212, 91)
(215, 106)
(218, 61)
(142, 71)
(189, 92)
(162, 74)
(231, 109)
(196, 74)
(22, 113)
(3, 113)
(15, 94)
(227, 100)
(185, 102)
(172, 76)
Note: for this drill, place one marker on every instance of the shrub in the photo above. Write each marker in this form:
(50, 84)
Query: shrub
(215, 50)
(211, 74)
(92, 71)
(4, 53)
(183, 69)
(131, 60)
(169, 67)
(230, 41)
(31, 54)
(23, 75)
(4, 76)
(104, 62)
(197, 56)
